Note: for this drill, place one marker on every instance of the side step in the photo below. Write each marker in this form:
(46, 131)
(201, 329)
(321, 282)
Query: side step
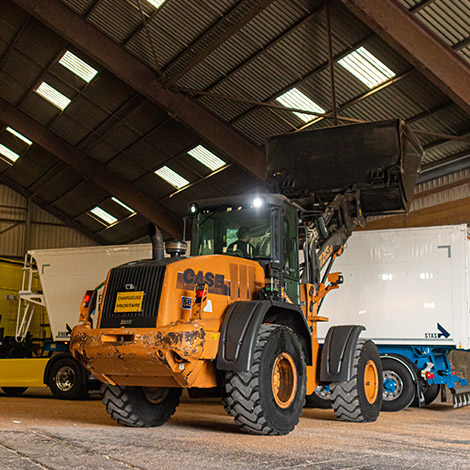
(461, 396)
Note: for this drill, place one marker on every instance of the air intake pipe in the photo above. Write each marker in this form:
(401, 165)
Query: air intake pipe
(158, 250)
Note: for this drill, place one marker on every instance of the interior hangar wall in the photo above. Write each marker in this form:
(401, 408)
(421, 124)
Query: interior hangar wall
(45, 230)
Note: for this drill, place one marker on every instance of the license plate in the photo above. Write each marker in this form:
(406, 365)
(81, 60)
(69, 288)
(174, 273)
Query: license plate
(129, 302)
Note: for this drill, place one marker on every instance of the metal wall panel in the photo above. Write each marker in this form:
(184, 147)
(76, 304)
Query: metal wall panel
(46, 230)
(448, 195)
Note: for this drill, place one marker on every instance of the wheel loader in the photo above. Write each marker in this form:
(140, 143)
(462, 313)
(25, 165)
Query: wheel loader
(237, 318)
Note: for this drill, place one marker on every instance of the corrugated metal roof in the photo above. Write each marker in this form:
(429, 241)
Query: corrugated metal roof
(283, 46)
(82, 7)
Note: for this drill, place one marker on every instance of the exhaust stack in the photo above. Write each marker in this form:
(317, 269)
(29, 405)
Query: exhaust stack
(158, 250)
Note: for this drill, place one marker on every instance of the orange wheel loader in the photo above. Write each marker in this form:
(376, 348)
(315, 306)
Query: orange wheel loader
(237, 318)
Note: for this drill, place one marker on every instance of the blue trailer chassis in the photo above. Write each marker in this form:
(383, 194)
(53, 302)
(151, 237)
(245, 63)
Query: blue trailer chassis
(433, 366)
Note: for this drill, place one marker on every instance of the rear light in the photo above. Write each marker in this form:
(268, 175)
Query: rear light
(88, 303)
(429, 375)
(200, 291)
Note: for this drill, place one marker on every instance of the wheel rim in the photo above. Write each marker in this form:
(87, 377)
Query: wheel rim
(393, 385)
(371, 382)
(284, 380)
(65, 378)
(156, 395)
(322, 393)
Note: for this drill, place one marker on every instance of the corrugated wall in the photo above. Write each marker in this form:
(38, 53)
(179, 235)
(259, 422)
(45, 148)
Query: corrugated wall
(46, 230)
(459, 191)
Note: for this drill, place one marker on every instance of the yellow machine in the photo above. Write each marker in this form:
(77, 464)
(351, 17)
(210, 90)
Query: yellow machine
(21, 364)
(238, 317)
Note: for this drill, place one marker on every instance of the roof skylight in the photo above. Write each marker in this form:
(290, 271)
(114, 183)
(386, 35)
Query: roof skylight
(53, 96)
(172, 177)
(156, 3)
(6, 152)
(103, 215)
(20, 136)
(367, 68)
(117, 201)
(296, 99)
(78, 66)
(207, 158)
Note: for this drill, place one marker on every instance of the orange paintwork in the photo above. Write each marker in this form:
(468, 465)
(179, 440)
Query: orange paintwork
(180, 350)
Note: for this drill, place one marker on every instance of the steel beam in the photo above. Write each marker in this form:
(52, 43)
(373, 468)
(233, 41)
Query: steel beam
(417, 44)
(445, 166)
(233, 26)
(91, 169)
(76, 30)
(449, 213)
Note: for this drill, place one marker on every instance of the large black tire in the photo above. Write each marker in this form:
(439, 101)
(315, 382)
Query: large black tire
(399, 386)
(140, 407)
(14, 391)
(67, 379)
(320, 398)
(360, 398)
(269, 398)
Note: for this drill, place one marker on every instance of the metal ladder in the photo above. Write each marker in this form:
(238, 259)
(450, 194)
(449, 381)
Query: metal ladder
(27, 300)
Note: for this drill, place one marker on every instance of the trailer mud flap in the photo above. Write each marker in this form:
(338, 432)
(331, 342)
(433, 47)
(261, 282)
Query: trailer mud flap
(461, 396)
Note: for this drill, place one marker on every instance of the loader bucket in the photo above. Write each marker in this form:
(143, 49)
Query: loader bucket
(461, 396)
(381, 159)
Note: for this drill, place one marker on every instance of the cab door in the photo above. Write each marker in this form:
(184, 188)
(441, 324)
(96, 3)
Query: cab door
(290, 253)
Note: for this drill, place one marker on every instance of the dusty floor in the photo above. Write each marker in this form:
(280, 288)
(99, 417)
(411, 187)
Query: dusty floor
(40, 432)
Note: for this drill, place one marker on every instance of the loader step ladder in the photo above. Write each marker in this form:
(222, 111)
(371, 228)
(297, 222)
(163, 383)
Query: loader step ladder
(27, 300)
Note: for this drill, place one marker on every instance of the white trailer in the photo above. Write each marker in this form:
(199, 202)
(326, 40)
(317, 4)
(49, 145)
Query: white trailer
(64, 275)
(410, 289)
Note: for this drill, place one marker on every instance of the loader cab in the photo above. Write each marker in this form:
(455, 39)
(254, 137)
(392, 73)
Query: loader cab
(271, 223)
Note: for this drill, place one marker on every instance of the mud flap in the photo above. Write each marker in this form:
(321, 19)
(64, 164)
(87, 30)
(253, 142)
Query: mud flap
(337, 353)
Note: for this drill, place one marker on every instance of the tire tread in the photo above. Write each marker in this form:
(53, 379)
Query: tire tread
(242, 397)
(345, 395)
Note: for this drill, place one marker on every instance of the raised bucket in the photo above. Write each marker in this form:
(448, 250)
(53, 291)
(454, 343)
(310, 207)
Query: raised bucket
(382, 159)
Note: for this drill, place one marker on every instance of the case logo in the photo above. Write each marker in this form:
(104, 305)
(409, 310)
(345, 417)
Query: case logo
(216, 283)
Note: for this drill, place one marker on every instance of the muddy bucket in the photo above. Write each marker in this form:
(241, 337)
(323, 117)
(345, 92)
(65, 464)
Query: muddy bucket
(381, 159)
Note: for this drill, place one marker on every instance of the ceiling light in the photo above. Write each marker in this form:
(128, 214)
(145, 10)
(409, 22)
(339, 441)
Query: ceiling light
(367, 68)
(6, 152)
(53, 96)
(78, 66)
(17, 134)
(117, 201)
(207, 158)
(103, 215)
(296, 99)
(172, 177)
(156, 3)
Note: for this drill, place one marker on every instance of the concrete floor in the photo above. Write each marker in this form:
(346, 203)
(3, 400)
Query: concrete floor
(40, 432)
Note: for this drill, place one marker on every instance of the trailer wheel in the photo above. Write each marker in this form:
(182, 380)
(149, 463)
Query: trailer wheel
(360, 398)
(269, 398)
(14, 391)
(140, 407)
(320, 398)
(67, 379)
(399, 388)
